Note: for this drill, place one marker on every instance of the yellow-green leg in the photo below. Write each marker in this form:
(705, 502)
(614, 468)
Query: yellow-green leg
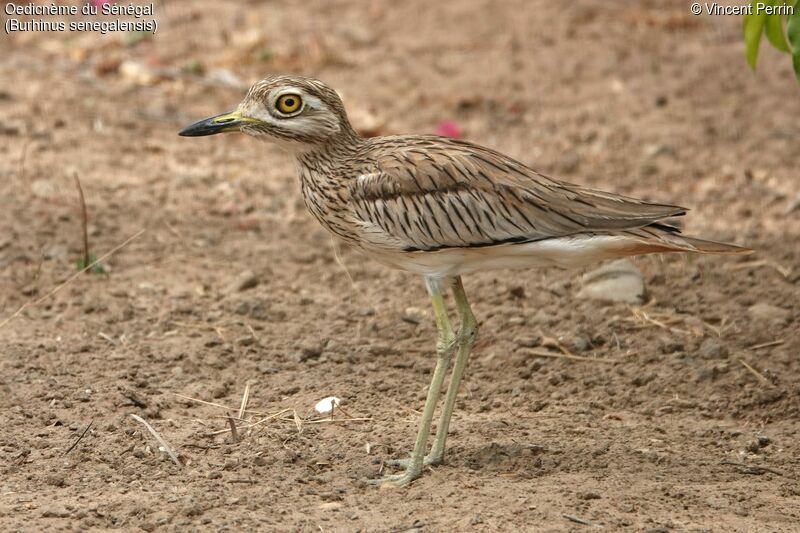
(464, 341)
(444, 351)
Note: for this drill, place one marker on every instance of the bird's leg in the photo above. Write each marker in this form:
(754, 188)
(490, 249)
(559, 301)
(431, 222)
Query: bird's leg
(464, 340)
(444, 351)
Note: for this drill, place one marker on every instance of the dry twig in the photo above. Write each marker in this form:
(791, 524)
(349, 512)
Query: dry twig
(83, 433)
(752, 469)
(84, 219)
(766, 345)
(234, 433)
(540, 353)
(756, 373)
(245, 399)
(160, 440)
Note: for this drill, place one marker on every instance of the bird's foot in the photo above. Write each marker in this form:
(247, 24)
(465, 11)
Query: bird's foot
(432, 459)
(397, 480)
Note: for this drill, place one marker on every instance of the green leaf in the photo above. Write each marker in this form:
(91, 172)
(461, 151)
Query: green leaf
(97, 268)
(753, 28)
(796, 65)
(793, 35)
(774, 30)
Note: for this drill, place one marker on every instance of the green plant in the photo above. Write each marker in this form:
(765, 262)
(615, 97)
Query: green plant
(780, 25)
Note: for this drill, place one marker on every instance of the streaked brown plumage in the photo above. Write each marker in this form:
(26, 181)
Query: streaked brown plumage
(441, 208)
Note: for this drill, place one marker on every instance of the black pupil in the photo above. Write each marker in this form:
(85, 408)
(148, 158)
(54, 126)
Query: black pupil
(289, 102)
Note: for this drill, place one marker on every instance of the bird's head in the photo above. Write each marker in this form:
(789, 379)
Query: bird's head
(295, 112)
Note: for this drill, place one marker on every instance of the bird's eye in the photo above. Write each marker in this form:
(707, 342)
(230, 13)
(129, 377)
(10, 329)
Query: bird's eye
(288, 104)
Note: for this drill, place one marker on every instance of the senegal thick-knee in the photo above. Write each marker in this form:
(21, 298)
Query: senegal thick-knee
(442, 208)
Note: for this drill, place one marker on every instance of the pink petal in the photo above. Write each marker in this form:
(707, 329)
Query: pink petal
(448, 128)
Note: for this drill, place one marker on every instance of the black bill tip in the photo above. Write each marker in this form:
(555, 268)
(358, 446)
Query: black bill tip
(214, 125)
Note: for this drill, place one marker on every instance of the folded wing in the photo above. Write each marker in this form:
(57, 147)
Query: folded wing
(437, 193)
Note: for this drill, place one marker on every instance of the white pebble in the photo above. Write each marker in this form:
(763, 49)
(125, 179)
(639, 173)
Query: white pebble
(326, 405)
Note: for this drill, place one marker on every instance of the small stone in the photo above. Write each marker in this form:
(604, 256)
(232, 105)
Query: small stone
(768, 313)
(619, 281)
(265, 368)
(579, 343)
(654, 150)
(55, 479)
(589, 496)
(763, 440)
(413, 315)
(712, 349)
(307, 352)
(245, 280)
(530, 341)
(246, 340)
(331, 506)
(55, 512)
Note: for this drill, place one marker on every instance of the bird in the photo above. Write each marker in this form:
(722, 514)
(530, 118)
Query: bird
(442, 208)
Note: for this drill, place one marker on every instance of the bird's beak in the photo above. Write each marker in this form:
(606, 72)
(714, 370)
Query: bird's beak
(233, 121)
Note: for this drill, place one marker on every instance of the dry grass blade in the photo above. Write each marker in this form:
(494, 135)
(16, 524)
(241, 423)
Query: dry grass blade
(218, 405)
(540, 353)
(753, 469)
(663, 322)
(245, 399)
(257, 423)
(297, 421)
(161, 441)
(766, 345)
(234, 433)
(549, 342)
(31, 303)
(337, 420)
(756, 373)
(578, 520)
(83, 433)
(84, 219)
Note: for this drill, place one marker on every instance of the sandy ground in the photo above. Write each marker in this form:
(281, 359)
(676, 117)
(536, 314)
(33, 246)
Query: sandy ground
(233, 283)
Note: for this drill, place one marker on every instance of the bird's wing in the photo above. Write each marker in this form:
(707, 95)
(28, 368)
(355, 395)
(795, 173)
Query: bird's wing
(429, 193)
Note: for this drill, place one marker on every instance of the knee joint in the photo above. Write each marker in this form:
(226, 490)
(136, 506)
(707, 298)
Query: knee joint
(444, 346)
(468, 331)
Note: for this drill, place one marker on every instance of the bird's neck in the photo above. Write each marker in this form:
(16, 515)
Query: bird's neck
(328, 154)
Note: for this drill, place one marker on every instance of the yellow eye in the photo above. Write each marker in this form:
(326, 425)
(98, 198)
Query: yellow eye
(288, 103)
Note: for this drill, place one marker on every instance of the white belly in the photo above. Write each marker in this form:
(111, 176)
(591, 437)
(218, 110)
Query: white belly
(565, 252)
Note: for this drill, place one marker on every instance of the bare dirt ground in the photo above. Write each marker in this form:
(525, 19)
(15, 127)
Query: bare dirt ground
(233, 283)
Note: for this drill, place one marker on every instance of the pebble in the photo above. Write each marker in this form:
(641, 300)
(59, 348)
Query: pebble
(308, 352)
(242, 282)
(712, 349)
(414, 315)
(55, 512)
(768, 313)
(246, 340)
(619, 281)
(530, 341)
(266, 368)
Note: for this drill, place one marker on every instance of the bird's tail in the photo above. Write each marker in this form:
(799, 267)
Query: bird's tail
(658, 238)
(711, 247)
